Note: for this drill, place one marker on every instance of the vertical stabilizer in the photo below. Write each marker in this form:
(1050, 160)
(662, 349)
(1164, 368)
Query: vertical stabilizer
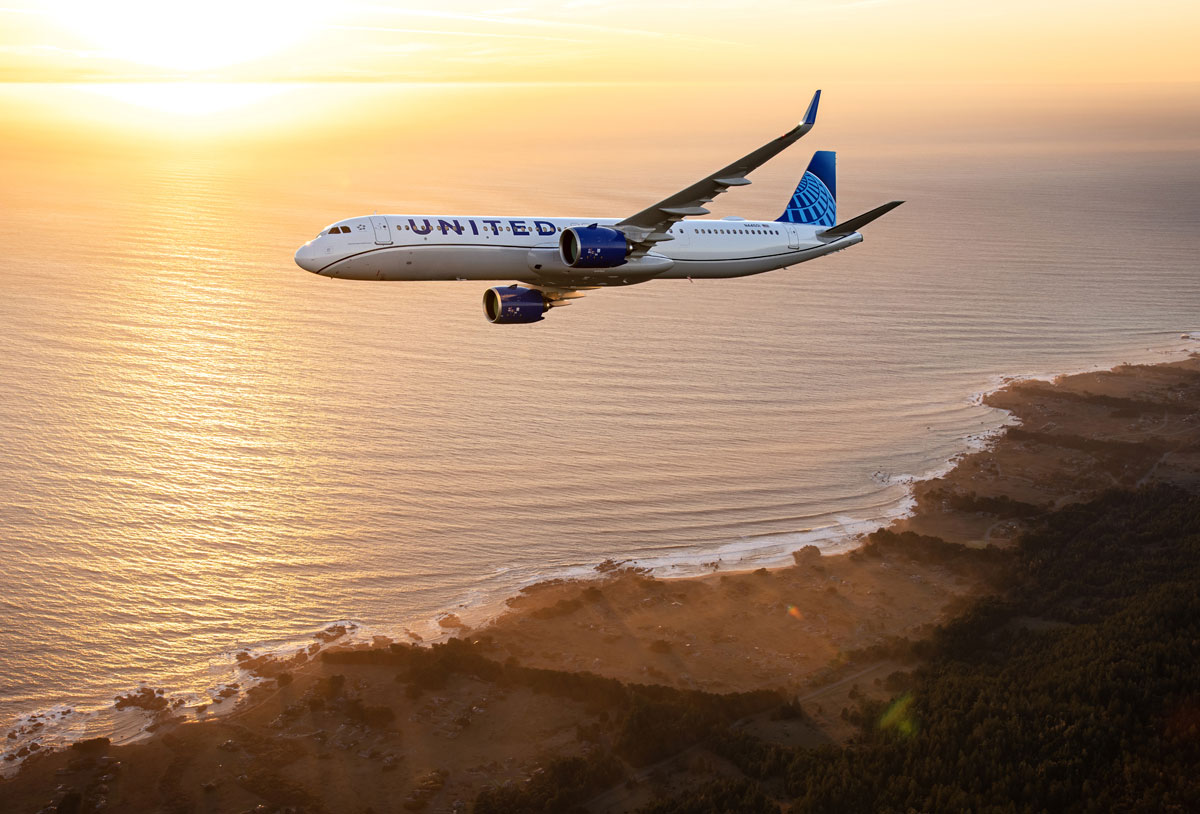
(815, 198)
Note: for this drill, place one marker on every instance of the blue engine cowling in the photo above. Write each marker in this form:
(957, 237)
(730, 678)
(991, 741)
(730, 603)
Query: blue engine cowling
(593, 247)
(513, 305)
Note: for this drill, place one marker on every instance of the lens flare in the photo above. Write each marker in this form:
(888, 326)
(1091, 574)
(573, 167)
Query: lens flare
(898, 717)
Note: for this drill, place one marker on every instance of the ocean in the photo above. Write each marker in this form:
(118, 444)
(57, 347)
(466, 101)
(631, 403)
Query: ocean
(204, 449)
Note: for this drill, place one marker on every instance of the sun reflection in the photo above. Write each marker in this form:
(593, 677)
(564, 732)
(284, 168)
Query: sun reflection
(188, 98)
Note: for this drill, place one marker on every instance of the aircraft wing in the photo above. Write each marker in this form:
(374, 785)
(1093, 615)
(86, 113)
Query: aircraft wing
(650, 225)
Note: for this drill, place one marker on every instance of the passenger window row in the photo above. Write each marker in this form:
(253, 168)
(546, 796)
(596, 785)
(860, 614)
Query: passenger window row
(739, 231)
(345, 230)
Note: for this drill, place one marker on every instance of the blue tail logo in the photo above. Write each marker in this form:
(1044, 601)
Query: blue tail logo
(815, 199)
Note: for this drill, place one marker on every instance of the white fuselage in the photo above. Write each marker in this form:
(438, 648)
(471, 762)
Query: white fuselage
(420, 247)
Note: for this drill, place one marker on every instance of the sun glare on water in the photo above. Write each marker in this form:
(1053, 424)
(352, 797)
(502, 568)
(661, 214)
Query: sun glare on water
(187, 98)
(189, 36)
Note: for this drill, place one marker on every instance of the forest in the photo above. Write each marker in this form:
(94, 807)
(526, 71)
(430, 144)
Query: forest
(1075, 688)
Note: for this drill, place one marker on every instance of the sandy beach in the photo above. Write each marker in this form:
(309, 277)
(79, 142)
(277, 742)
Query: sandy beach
(380, 729)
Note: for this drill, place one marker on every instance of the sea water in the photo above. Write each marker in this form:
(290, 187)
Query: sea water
(204, 449)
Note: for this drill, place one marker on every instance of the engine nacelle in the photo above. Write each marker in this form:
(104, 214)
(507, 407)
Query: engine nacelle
(512, 305)
(593, 247)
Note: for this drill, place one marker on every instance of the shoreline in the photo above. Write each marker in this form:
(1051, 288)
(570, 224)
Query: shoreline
(826, 631)
(491, 614)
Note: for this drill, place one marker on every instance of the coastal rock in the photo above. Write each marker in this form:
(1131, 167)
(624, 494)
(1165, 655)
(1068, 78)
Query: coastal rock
(145, 698)
(333, 632)
(807, 556)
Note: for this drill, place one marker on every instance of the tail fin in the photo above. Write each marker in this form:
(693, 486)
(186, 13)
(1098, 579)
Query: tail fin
(815, 198)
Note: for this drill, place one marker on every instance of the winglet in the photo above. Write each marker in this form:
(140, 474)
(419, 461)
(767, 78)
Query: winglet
(854, 224)
(810, 115)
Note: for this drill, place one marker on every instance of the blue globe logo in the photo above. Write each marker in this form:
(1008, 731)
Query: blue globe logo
(812, 203)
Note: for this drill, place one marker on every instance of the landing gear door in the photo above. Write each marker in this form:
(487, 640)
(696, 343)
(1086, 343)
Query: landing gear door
(382, 234)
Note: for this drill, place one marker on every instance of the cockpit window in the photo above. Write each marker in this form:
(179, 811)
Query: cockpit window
(345, 230)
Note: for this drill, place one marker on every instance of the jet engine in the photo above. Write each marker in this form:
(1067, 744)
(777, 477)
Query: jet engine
(512, 305)
(593, 247)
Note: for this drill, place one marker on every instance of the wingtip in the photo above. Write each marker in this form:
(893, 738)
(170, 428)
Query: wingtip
(810, 115)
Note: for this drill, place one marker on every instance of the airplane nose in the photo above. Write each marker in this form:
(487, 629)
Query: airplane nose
(306, 258)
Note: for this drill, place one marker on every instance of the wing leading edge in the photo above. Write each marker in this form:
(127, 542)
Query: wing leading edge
(651, 224)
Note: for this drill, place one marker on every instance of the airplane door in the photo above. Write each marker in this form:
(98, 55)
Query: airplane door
(793, 237)
(382, 235)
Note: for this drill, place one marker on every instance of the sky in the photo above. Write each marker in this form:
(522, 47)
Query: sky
(590, 41)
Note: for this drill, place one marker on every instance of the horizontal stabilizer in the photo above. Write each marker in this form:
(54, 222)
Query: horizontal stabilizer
(854, 224)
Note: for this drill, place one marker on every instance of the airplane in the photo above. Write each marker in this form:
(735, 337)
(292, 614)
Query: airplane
(557, 260)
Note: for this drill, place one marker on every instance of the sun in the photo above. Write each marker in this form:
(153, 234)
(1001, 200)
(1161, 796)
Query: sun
(190, 37)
